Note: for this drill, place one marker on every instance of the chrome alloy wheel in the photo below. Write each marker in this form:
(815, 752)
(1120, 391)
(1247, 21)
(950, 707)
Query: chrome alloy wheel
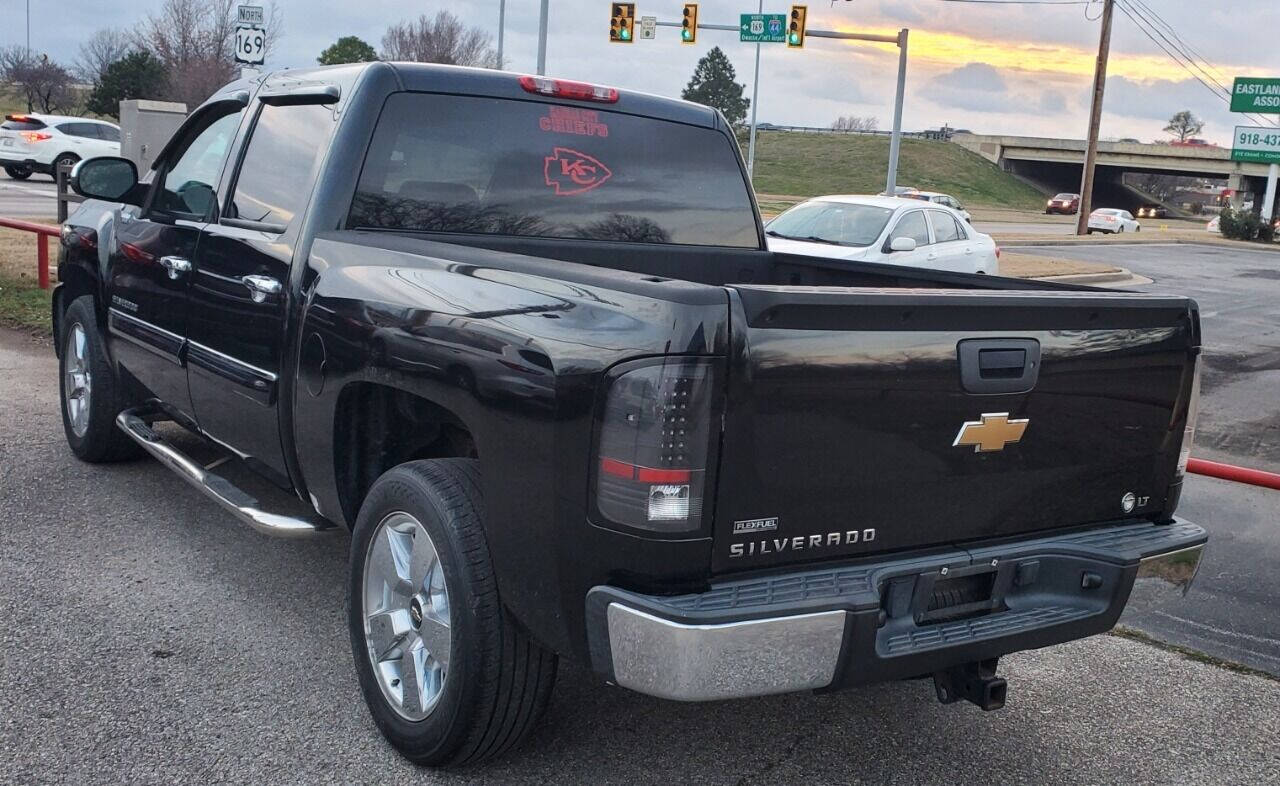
(76, 382)
(407, 627)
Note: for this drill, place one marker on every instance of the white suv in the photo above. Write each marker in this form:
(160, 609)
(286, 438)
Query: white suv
(38, 143)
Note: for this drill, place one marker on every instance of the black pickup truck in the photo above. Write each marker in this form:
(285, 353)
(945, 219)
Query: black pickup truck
(522, 338)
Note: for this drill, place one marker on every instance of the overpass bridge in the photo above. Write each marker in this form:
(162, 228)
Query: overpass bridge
(1059, 163)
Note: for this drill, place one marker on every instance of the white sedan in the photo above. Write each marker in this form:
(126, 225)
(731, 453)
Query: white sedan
(887, 230)
(1113, 221)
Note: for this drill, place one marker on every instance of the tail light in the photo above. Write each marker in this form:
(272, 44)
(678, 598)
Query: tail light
(656, 426)
(36, 136)
(1193, 414)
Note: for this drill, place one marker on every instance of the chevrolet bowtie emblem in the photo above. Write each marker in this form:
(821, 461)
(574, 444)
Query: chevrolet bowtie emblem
(992, 433)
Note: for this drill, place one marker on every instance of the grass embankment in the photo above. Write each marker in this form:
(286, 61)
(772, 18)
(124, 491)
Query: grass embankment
(22, 303)
(805, 165)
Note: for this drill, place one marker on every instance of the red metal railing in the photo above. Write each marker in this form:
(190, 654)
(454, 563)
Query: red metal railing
(43, 232)
(1215, 469)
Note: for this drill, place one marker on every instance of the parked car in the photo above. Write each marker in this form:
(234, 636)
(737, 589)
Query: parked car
(1153, 211)
(1068, 204)
(884, 230)
(39, 143)
(759, 472)
(942, 199)
(1112, 221)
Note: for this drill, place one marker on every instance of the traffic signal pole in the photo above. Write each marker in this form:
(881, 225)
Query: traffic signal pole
(755, 95)
(899, 40)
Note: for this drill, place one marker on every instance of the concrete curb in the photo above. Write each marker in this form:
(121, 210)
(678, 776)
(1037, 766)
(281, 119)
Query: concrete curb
(1076, 240)
(1112, 277)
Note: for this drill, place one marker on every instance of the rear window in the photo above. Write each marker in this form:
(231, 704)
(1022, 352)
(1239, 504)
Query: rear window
(499, 166)
(21, 124)
(1065, 196)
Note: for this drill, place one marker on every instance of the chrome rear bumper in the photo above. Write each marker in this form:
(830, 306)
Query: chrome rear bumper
(833, 628)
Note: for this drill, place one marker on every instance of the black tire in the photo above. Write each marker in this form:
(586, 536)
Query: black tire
(1088, 231)
(101, 441)
(63, 158)
(499, 679)
(18, 172)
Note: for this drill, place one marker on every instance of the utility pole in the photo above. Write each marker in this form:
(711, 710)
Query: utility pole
(542, 39)
(502, 18)
(1095, 120)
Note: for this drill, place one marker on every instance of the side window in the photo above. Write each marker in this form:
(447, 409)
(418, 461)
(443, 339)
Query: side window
(912, 225)
(82, 130)
(275, 175)
(187, 187)
(108, 133)
(944, 227)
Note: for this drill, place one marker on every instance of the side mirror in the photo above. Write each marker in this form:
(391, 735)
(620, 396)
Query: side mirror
(902, 244)
(110, 178)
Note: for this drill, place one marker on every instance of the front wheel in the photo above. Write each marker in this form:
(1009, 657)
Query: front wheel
(91, 394)
(448, 676)
(18, 172)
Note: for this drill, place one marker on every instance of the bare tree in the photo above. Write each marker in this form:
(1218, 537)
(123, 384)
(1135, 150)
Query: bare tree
(194, 40)
(44, 84)
(101, 50)
(442, 39)
(855, 123)
(1184, 125)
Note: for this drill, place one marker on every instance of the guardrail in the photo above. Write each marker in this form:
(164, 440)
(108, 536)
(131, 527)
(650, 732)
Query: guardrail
(1216, 469)
(43, 232)
(939, 135)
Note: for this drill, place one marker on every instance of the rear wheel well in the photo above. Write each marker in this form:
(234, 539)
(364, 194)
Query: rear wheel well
(377, 427)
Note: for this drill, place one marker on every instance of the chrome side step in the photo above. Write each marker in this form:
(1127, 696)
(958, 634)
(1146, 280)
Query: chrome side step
(238, 503)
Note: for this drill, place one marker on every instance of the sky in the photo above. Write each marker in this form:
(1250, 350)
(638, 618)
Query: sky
(989, 67)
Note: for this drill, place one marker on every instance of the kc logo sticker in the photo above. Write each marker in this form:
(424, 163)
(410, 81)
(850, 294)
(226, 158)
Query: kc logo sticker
(570, 172)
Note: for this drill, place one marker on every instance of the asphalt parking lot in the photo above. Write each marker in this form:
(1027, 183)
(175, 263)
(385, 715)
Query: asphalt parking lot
(35, 197)
(149, 637)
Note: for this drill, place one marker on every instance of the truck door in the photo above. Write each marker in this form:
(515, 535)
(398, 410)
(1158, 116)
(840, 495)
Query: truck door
(150, 258)
(240, 297)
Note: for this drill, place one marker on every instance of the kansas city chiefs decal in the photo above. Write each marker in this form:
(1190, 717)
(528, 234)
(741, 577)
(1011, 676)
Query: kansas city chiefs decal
(570, 172)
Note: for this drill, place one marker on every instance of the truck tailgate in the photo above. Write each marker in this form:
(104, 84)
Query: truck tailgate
(855, 423)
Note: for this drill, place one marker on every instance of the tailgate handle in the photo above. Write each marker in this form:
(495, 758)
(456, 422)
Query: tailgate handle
(998, 365)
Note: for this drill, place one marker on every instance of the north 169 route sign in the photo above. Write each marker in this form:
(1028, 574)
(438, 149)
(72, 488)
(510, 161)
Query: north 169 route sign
(763, 28)
(1256, 143)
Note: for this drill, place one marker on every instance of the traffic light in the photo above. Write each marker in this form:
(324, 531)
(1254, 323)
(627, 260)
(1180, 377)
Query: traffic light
(622, 22)
(689, 25)
(795, 32)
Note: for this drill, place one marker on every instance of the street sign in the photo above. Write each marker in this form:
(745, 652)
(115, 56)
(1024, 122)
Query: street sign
(1255, 94)
(249, 15)
(251, 45)
(648, 26)
(1256, 143)
(763, 28)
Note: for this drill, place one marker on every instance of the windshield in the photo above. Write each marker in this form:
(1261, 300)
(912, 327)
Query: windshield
(831, 222)
(1065, 196)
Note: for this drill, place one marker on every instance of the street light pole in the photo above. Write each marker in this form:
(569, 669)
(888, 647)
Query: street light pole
(755, 92)
(542, 39)
(895, 141)
(502, 17)
(1095, 120)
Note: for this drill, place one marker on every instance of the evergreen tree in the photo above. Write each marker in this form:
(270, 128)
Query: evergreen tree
(348, 49)
(712, 84)
(136, 75)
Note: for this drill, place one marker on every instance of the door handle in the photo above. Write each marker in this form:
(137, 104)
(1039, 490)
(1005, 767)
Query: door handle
(260, 287)
(177, 266)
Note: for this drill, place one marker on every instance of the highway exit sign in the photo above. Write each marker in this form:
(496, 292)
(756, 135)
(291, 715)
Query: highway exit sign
(763, 28)
(1255, 94)
(1256, 143)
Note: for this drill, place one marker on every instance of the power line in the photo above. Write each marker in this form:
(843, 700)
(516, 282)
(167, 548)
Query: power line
(1180, 56)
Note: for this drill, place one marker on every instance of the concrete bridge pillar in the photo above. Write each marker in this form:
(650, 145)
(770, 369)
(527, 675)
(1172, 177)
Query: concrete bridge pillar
(1235, 182)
